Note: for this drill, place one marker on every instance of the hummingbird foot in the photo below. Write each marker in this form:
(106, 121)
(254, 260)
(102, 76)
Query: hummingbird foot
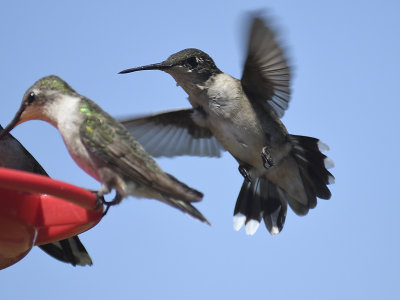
(100, 200)
(245, 173)
(266, 157)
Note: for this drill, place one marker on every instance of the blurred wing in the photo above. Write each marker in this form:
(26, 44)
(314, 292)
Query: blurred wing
(266, 74)
(173, 133)
(69, 251)
(110, 142)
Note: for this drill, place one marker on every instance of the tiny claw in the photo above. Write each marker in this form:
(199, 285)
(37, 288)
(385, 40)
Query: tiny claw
(266, 157)
(117, 199)
(107, 205)
(245, 173)
(101, 201)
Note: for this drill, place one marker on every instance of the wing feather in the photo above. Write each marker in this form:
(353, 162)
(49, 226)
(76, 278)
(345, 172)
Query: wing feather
(116, 149)
(173, 133)
(266, 74)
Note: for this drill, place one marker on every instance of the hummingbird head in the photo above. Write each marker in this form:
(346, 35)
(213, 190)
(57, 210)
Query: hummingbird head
(38, 101)
(186, 66)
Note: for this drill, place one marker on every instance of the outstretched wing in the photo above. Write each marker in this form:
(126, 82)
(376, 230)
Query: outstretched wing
(112, 144)
(266, 74)
(173, 133)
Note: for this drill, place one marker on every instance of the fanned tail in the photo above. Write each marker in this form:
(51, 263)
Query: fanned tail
(313, 166)
(260, 199)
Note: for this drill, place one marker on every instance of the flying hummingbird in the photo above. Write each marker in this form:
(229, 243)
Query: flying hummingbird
(102, 147)
(14, 156)
(242, 117)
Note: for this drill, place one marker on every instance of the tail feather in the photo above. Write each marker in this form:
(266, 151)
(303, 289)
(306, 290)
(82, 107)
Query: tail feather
(69, 251)
(263, 199)
(185, 207)
(260, 199)
(313, 166)
(299, 208)
(189, 193)
(253, 208)
(274, 210)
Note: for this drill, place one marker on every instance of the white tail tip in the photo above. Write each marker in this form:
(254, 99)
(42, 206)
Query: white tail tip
(328, 163)
(274, 230)
(252, 226)
(238, 221)
(322, 146)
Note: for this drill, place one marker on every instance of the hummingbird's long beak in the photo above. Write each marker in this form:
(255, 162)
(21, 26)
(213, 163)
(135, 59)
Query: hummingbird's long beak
(17, 120)
(159, 66)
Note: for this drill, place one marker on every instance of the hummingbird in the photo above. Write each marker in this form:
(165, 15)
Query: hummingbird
(102, 147)
(243, 117)
(13, 155)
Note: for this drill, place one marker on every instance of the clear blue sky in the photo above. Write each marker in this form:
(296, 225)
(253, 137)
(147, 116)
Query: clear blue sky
(345, 92)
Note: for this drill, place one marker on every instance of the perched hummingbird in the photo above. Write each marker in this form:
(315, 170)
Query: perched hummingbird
(242, 117)
(14, 156)
(102, 147)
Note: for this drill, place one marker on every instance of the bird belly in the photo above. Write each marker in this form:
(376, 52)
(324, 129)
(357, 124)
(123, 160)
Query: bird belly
(80, 153)
(82, 158)
(244, 142)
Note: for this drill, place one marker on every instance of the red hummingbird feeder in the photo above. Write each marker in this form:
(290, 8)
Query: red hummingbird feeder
(36, 210)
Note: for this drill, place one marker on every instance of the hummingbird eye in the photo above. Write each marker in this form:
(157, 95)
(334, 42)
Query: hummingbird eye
(192, 62)
(31, 97)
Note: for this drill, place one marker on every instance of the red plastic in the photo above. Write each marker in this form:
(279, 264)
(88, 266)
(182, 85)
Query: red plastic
(36, 210)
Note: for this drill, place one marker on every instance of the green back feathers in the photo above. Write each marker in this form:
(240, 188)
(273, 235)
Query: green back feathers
(102, 131)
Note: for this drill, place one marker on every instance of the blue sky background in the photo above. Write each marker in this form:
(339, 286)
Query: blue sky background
(345, 92)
